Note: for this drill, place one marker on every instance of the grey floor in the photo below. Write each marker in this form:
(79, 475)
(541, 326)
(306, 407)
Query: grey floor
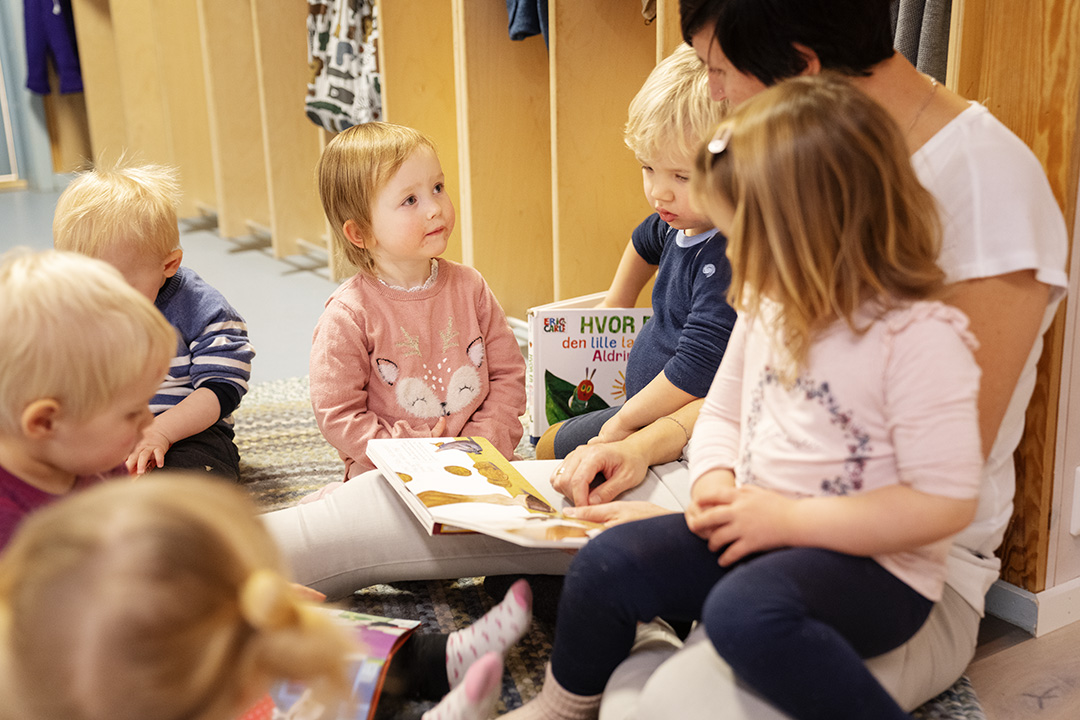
(280, 299)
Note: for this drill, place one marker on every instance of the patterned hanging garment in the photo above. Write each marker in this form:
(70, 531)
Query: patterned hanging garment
(344, 88)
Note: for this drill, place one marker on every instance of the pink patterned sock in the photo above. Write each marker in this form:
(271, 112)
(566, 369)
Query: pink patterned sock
(496, 632)
(475, 698)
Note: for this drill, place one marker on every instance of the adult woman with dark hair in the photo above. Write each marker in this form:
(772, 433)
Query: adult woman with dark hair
(1004, 251)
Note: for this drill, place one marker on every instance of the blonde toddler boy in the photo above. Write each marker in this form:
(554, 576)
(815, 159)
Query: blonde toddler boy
(675, 356)
(81, 354)
(126, 216)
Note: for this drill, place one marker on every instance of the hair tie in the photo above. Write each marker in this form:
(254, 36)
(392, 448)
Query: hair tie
(266, 601)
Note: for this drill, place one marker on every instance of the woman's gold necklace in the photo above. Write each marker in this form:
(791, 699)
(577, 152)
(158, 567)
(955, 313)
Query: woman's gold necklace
(926, 104)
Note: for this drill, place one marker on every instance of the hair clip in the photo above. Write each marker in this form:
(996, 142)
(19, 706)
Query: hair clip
(720, 140)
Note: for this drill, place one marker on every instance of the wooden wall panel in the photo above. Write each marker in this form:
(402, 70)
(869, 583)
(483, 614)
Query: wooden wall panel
(183, 86)
(69, 133)
(668, 30)
(101, 77)
(292, 142)
(416, 60)
(1023, 61)
(505, 155)
(145, 119)
(236, 143)
(601, 52)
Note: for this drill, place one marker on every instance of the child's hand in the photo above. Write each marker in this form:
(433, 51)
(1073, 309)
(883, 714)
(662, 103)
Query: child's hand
(614, 513)
(711, 490)
(753, 520)
(613, 430)
(149, 452)
(308, 594)
(440, 427)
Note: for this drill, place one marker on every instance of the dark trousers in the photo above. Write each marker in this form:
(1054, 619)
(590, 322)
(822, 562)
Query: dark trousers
(795, 624)
(211, 451)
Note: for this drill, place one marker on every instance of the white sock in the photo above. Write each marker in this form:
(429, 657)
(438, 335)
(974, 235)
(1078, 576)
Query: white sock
(556, 703)
(475, 698)
(496, 632)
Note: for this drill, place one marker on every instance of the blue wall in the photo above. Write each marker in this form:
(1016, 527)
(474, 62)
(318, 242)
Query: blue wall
(32, 149)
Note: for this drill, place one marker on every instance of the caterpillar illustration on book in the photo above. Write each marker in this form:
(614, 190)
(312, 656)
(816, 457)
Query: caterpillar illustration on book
(167, 598)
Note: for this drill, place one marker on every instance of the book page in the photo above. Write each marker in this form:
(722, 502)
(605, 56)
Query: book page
(465, 482)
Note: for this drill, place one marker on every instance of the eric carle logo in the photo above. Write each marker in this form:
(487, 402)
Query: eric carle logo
(554, 325)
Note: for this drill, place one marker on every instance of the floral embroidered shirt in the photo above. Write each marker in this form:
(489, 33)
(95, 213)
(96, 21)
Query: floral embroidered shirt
(894, 404)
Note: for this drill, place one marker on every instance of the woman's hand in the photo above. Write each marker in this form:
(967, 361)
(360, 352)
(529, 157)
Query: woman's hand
(615, 513)
(619, 467)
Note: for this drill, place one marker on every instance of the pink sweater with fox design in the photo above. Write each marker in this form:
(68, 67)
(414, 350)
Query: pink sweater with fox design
(389, 363)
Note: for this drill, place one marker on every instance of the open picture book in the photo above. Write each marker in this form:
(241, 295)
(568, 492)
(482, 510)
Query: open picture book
(377, 639)
(465, 484)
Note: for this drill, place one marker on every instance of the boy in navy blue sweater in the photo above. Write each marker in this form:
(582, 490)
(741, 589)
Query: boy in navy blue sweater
(675, 356)
(126, 216)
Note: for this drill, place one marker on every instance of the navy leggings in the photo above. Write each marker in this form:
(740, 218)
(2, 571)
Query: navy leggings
(794, 624)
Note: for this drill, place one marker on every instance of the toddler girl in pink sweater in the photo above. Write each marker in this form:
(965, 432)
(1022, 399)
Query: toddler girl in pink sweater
(413, 345)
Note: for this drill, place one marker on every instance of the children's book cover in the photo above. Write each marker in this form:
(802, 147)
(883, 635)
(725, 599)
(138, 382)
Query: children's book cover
(377, 639)
(577, 358)
(454, 484)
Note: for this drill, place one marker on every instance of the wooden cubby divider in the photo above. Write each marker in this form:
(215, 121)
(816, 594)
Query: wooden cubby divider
(141, 94)
(416, 62)
(180, 60)
(600, 54)
(530, 136)
(291, 143)
(101, 77)
(236, 137)
(505, 160)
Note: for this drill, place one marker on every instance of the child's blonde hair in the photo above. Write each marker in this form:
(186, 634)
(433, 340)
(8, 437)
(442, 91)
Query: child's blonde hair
(672, 113)
(161, 599)
(73, 330)
(134, 205)
(828, 212)
(354, 167)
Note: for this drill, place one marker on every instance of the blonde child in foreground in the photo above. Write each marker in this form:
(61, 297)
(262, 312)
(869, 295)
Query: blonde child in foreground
(838, 448)
(81, 354)
(677, 352)
(126, 216)
(413, 345)
(164, 599)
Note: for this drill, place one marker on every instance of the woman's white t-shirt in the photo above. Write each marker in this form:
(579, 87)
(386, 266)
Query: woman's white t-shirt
(998, 216)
